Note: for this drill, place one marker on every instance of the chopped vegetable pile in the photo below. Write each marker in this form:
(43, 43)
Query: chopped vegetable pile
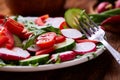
(26, 41)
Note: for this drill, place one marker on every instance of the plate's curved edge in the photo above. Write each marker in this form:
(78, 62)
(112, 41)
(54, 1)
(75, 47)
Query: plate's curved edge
(80, 60)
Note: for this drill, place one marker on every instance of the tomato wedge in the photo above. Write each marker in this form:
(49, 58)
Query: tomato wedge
(6, 38)
(3, 39)
(16, 28)
(46, 40)
(63, 25)
(44, 17)
(59, 39)
(13, 26)
(45, 51)
(41, 20)
(10, 43)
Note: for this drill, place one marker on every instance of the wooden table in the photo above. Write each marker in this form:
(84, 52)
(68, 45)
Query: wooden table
(104, 67)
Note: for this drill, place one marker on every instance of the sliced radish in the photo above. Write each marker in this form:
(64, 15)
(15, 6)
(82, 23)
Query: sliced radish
(14, 54)
(45, 51)
(85, 47)
(33, 48)
(55, 22)
(85, 40)
(71, 33)
(64, 56)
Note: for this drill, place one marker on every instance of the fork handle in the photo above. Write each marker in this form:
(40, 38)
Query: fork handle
(114, 52)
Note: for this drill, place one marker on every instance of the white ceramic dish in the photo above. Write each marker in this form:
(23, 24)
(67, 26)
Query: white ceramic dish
(45, 67)
(80, 60)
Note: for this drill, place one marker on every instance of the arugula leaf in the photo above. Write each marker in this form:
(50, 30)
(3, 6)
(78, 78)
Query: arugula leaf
(31, 27)
(31, 40)
(58, 60)
(35, 30)
(16, 17)
(51, 29)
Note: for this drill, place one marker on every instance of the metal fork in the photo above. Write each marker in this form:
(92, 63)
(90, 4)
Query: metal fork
(94, 32)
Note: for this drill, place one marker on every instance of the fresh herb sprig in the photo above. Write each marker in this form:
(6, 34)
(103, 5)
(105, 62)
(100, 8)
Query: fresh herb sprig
(35, 30)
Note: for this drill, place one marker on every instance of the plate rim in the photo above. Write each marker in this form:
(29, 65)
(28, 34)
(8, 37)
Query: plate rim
(46, 67)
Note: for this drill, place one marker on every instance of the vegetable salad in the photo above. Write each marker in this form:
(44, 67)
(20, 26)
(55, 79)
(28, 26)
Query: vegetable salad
(26, 41)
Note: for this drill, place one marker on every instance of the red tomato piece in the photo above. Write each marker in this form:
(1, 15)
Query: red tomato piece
(45, 51)
(16, 28)
(41, 20)
(44, 17)
(10, 43)
(46, 40)
(7, 37)
(59, 39)
(3, 40)
(63, 25)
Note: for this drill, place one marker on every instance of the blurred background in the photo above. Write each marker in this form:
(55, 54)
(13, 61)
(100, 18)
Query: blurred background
(40, 7)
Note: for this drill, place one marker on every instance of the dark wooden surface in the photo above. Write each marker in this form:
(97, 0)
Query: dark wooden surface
(104, 67)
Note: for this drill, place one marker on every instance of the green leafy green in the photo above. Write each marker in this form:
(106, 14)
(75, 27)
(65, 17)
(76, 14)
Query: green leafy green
(16, 17)
(2, 63)
(35, 30)
(98, 18)
(31, 40)
(31, 27)
(94, 55)
(17, 41)
(51, 29)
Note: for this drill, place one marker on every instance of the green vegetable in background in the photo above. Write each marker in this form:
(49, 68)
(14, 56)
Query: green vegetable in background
(98, 18)
(70, 16)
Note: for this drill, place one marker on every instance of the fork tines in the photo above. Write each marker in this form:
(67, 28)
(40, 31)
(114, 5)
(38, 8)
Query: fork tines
(87, 26)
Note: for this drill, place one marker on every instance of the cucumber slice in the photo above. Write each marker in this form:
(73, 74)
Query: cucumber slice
(68, 44)
(70, 15)
(40, 59)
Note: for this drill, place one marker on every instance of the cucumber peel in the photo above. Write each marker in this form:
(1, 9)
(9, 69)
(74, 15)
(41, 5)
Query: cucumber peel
(68, 44)
(40, 59)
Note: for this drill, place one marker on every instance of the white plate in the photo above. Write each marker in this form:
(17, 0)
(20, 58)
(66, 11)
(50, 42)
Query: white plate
(45, 67)
(80, 60)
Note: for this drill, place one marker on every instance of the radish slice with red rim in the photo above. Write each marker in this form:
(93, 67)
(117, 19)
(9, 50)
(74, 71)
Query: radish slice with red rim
(64, 56)
(15, 54)
(55, 22)
(71, 33)
(85, 47)
(33, 48)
